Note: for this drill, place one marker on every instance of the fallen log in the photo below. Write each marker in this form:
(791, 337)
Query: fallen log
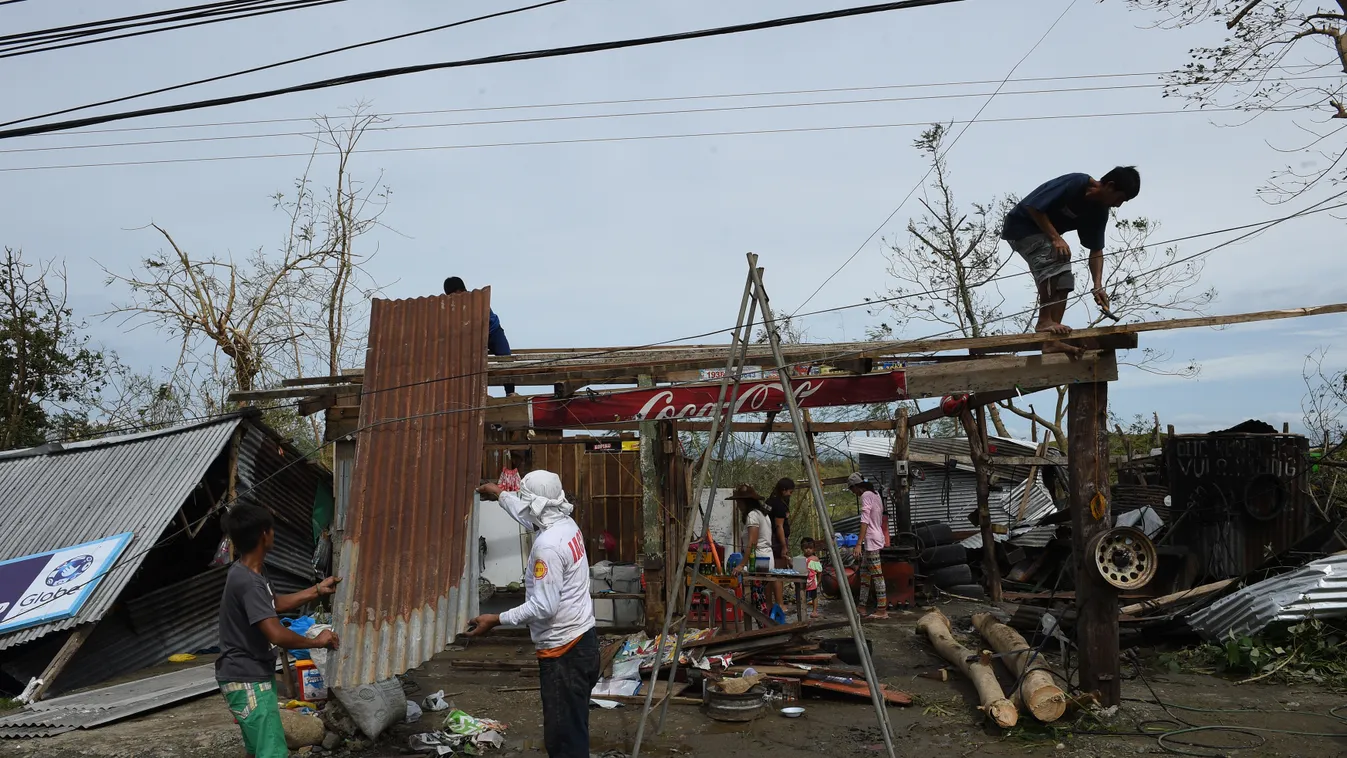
(1038, 689)
(1164, 600)
(993, 701)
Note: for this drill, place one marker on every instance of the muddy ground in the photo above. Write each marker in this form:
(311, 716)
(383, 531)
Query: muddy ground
(942, 722)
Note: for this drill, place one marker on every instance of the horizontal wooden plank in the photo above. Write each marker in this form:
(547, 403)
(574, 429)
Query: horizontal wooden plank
(1125, 341)
(311, 405)
(309, 381)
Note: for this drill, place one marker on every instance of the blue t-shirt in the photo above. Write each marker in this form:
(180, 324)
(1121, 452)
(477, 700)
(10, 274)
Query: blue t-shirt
(1063, 201)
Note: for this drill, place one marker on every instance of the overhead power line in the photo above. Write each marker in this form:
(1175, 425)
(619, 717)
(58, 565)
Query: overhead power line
(24, 45)
(556, 52)
(635, 138)
(939, 157)
(572, 117)
(278, 64)
(708, 96)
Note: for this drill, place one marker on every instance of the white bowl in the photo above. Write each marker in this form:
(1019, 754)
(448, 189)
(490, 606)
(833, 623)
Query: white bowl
(792, 712)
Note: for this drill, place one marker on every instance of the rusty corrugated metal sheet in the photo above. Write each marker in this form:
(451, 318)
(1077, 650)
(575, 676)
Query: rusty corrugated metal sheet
(408, 587)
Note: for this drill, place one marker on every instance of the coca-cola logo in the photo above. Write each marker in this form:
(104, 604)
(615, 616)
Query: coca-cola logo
(758, 398)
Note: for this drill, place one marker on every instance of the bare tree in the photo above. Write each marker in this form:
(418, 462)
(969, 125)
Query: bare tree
(949, 274)
(1279, 56)
(243, 323)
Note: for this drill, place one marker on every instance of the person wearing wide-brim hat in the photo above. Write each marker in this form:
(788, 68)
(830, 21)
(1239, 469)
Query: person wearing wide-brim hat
(873, 537)
(757, 538)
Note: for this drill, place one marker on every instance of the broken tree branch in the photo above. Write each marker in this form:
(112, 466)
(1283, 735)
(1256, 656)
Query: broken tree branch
(993, 701)
(1038, 690)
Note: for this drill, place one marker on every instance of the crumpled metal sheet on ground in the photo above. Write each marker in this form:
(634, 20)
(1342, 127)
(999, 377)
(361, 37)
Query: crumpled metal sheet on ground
(107, 704)
(409, 548)
(1316, 590)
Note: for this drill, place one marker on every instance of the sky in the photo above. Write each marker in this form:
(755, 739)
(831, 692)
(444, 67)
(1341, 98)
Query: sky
(625, 230)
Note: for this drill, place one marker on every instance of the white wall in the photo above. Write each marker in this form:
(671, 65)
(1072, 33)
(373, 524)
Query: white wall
(507, 545)
(722, 520)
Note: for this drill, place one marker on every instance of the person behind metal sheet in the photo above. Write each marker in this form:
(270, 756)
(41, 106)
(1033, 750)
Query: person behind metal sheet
(557, 609)
(1034, 229)
(874, 537)
(496, 342)
(250, 632)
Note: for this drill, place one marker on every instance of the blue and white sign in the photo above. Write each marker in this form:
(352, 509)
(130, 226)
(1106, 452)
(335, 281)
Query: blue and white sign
(51, 586)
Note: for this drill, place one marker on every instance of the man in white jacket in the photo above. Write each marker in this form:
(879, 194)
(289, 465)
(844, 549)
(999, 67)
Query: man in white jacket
(557, 609)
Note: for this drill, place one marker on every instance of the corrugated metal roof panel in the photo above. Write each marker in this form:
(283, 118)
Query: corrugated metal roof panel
(408, 584)
(101, 706)
(91, 490)
(1318, 589)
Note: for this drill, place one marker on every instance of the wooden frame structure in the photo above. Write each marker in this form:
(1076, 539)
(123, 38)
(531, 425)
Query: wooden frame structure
(986, 370)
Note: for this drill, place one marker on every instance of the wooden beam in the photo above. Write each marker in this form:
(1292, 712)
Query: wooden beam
(818, 427)
(309, 381)
(734, 600)
(1007, 372)
(1125, 341)
(311, 405)
(58, 662)
(1096, 599)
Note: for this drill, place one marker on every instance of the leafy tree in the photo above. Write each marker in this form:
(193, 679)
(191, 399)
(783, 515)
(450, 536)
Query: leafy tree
(49, 375)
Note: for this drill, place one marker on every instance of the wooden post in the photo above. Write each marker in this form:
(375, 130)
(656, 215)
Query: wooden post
(977, 445)
(901, 483)
(1096, 600)
(62, 657)
(652, 542)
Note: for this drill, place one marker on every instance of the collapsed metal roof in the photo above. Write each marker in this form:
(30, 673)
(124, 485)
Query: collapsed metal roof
(1316, 590)
(85, 710)
(55, 496)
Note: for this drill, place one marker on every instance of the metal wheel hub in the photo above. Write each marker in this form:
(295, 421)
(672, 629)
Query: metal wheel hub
(1124, 557)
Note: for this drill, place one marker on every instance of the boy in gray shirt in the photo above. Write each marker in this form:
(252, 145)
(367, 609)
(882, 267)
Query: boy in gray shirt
(250, 631)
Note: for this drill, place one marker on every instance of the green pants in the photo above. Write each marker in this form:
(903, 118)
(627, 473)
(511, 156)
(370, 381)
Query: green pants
(259, 717)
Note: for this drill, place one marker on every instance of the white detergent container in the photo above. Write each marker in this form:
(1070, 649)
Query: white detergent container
(625, 578)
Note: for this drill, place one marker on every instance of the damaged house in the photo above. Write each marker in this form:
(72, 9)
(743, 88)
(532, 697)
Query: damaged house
(143, 511)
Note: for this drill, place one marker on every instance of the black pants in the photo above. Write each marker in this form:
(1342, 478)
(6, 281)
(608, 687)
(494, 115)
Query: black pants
(566, 683)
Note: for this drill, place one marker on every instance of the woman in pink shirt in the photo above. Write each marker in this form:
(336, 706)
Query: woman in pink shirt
(874, 536)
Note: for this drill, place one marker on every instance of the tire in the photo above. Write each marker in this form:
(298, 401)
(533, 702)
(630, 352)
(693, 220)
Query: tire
(951, 576)
(933, 534)
(974, 591)
(933, 558)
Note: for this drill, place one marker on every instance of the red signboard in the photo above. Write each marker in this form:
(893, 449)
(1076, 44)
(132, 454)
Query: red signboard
(699, 401)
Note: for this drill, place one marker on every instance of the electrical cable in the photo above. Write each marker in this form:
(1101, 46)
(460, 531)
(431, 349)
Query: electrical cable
(287, 62)
(14, 51)
(1263, 225)
(122, 19)
(678, 98)
(598, 140)
(556, 52)
(938, 158)
(578, 116)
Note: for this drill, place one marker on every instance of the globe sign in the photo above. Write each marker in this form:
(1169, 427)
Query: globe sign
(69, 570)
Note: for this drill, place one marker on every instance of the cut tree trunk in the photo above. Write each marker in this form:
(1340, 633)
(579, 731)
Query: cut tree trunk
(1038, 689)
(994, 702)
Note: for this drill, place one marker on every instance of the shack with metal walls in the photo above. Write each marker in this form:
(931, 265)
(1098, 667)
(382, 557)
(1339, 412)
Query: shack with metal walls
(1238, 497)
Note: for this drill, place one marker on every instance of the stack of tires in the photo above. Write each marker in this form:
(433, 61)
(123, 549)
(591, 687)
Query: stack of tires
(943, 561)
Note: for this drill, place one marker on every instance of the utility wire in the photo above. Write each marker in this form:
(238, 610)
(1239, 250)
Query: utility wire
(938, 158)
(40, 33)
(597, 140)
(287, 62)
(573, 117)
(79, 40)
(676, 98)
(556, 52)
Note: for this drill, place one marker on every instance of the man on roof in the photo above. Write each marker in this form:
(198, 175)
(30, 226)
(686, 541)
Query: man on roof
(1034, 229)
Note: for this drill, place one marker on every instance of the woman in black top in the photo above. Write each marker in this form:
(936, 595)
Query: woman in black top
(778, 507)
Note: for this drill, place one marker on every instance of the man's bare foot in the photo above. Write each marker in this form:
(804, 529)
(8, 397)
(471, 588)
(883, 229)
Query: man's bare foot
(1052, 327)
(1056, 346)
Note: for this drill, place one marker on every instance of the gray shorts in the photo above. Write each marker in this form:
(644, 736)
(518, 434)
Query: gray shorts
(1036, 249)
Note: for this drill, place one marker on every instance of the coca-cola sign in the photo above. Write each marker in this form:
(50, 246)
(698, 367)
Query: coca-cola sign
(700, 401)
